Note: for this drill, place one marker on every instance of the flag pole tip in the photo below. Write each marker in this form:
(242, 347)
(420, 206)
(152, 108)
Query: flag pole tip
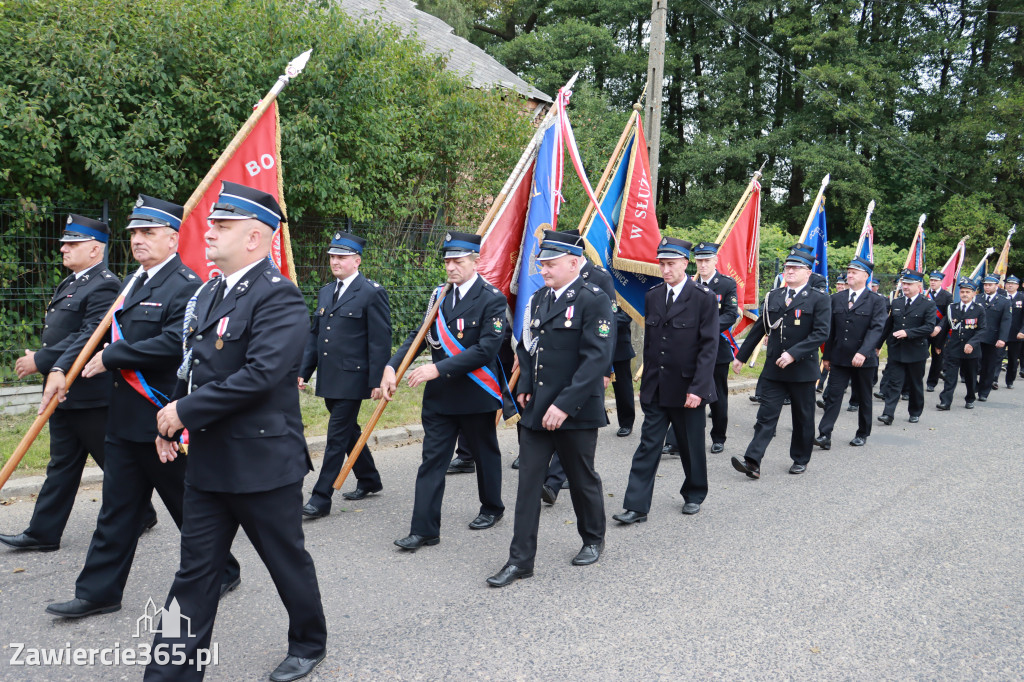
(638, 107)
(871, 206)
(825, 180)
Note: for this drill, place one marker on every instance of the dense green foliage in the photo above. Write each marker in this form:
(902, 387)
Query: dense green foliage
(102, 99)
(917, 105)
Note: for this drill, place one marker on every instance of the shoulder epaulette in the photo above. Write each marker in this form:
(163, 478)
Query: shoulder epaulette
(186, 273)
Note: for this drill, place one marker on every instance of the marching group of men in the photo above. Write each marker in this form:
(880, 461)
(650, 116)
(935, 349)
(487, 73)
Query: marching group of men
(221, 360)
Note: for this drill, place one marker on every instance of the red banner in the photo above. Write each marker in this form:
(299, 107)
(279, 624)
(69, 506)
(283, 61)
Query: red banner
(499, 250)
(638, 235)
(951, 270)
(255, 163)
(738, 257)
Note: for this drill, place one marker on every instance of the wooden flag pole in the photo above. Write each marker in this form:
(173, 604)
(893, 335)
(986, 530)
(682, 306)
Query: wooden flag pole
(293, 69)
(814, 210)
(499, 200)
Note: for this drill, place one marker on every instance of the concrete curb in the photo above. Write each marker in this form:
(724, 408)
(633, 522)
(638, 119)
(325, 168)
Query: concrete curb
(392, 438)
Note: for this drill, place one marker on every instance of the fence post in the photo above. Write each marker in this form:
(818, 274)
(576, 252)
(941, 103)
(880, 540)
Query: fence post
(105, 217)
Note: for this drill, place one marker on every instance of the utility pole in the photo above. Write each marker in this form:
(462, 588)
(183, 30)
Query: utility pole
(655, 78)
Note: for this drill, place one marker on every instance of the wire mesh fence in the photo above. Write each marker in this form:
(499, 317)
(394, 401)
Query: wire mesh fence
(403, 258)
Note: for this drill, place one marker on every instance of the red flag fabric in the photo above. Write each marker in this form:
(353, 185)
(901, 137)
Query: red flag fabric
(951, 270)
(500, 247)
(255, 163)
(638, 236)
(915, 257)
(738, 257)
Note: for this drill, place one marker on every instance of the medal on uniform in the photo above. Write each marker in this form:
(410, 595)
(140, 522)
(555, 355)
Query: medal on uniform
(568, 315)
(460, 324)
(796, 315)
(222, 326)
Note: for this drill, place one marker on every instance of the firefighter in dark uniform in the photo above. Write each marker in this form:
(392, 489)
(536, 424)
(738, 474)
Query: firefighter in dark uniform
(77, 426)
(244, 338)
(142, 360)
(348, 345)
(681, 346)
(796, 319)
(856, 330)
(625, 403)
(912, 321)
(1015, 339)
(994, 335)
(962, 325)
(941, 298)
(464, 389)
(564, 352)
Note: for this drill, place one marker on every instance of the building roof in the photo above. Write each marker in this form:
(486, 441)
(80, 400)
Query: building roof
(464, 58)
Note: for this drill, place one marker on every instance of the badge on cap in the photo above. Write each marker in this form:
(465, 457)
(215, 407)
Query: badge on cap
(139, 202)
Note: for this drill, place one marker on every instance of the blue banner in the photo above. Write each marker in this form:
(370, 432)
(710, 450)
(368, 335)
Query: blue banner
(817, 238)
(630, 286)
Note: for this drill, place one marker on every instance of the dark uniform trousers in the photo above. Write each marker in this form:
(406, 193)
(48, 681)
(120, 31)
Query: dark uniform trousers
(720, 408)
(688, 424)
(935, 368)
(967, 367)
(132, 468)
(800, 338)
(909, 377)
(860, 380)
(241, 450)
(210, 528)
(440, 433)
(1013, 360)
(988, 367)
(345, 432)
(942, 299)
(625, 399)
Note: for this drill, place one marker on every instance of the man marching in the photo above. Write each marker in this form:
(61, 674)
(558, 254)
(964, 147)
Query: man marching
(941, 298)
(464, 390)
(796, 320)
(237, 397)
(1016, 337)
(348, 345)
(143, 357)
(566, 348)
(962, 325)
(993, 336)
(911, 323)
(681, 344)
(856, 329)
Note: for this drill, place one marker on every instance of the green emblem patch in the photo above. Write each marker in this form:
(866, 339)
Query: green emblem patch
(497, 325)
(603, 329)
(615, 307)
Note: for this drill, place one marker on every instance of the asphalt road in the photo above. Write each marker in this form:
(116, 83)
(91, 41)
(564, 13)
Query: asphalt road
(899, 560)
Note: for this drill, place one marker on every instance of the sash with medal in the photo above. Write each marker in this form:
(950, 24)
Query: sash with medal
(481, 376)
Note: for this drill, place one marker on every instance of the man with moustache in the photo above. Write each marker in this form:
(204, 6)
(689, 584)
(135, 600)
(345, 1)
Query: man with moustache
(142, 358)
(77, 426)
(962, 324)
(856, 330)
(564, 352)
(796, 320)
(348, 345)
(244, 340)
(464, 389)
(1015, 339)
(912, 321)
(941, 298)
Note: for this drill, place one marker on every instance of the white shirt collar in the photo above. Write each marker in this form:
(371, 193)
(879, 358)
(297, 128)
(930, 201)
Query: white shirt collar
(677, 289)
(235, 277)
(151, 273)
(466, 286)
(82, 272)
(796, 290)
(559, 292)
(348, 280)
(910, 301)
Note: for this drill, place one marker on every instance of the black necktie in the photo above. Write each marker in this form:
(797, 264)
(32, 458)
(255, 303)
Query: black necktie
(337, 290)
(142, 281)
(671, 298)
(789, 296)
(853, 299)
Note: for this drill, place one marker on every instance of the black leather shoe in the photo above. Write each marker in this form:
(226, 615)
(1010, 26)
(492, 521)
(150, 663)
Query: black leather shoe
(630, 517)
(360, 493)
(970, 406)
(150, 522)
(669, 451)
(930, 389)
(757, 398)
(995, 386)
(80, 608)
(23, 541)
(515, 463)
(982, 398)
(823, 442)
(565, 484)
(311, 512)
(461, 466)
(942, 406)
(548, 494)
(879, 395)
(588, 554)
(717, 447)
(414, 542)
(1009, 387)
(914, 418)
(624, 431)
(904, 396)
(691, 508)
(885, 419)
(751, 469)
(508, 575)
(294, 668)
(797, 469)
(228, 587)
(856, 442)
(484, 521)
(852, 408)
(820, 403)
